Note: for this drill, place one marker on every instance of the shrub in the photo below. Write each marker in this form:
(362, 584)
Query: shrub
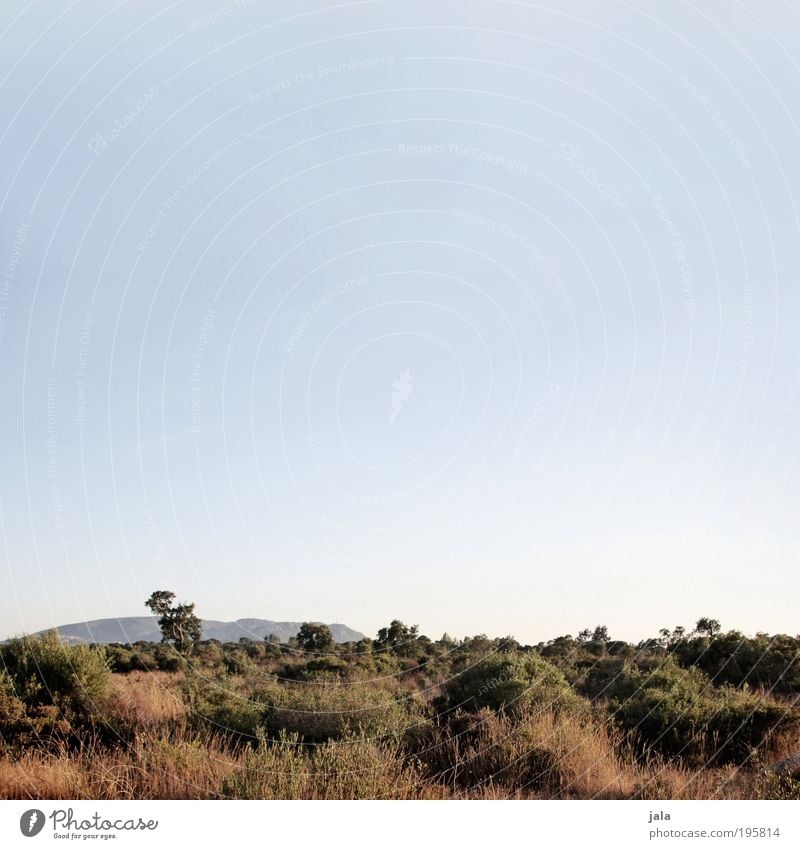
(217, 705)
(45, 671)
(13, 722)
(595, 680)
(511, 683)
(351, 768)
(325, 669)
(167, 658)
(127, 658)
(320, 713)
(678, 712)
(732, 658)
(316, 712)
(49, 687)
(548, 753)
(235, 661)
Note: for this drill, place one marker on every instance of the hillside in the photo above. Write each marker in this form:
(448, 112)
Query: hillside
(131, 629)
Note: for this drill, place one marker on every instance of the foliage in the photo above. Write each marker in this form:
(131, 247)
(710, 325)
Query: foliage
(13, 724)
(179, 624)
(679, 713)
(397, 638)
(508, 682)
(707, 626)
(352, 768)
(58, 687)
(315, 638)
(685, 714)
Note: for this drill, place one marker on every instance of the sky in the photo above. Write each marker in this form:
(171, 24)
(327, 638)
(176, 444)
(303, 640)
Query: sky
(479, 315)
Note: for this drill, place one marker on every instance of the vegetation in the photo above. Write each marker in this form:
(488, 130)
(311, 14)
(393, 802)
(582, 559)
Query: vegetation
(48, 688)
(179, 625)
(315, 638)
(690, 713)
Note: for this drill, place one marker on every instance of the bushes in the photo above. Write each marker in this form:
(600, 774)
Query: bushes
(732, 658)
(56, 686)
(512, 683)
(315, 712)
(45, 671)
(677, 712)
(320, 713)
(596, 679)
(354, 767)
(13, 722)
(122, 658)
(216, 705)
(482, 719)
(548, 753)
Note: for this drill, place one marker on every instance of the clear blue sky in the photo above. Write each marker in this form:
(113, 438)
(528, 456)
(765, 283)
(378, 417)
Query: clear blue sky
(481, 315)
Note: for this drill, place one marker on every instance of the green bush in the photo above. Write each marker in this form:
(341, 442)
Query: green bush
(732, 658)
(126, 658)
(326, 669)
(678, 712)
(314, 711)
(511, 683)
(13, 720)
(324, 712)
(61, 687)
(595, 680)
(219, 706)
(168, 658)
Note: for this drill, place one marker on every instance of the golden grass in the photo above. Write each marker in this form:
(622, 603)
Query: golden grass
(146, 698)
(544, 760)
(549, 754)
(152, 768)
(190, 767)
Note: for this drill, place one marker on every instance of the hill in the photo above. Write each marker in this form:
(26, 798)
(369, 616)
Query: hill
(131, 629)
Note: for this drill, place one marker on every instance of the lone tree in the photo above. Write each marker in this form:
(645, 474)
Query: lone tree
(315, 638)
(179, 624)
(708, 626)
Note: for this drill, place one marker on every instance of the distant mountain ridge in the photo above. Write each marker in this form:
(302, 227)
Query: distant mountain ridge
(131, 629)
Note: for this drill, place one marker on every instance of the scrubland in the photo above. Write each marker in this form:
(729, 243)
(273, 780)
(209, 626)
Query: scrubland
(675, 717)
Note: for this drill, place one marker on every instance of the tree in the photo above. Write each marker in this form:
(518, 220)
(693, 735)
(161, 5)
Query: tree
(447, 641)
(179, 625)
(708, 626)
(600, 634)
(558, 647)
(272, 643)
(507, 644)
(398, 638)
(363, 646)
(315, 638)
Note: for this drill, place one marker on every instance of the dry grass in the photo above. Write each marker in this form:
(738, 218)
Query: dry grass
(547, 758)
(157, 752)
(152, 768)
(148, 698)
